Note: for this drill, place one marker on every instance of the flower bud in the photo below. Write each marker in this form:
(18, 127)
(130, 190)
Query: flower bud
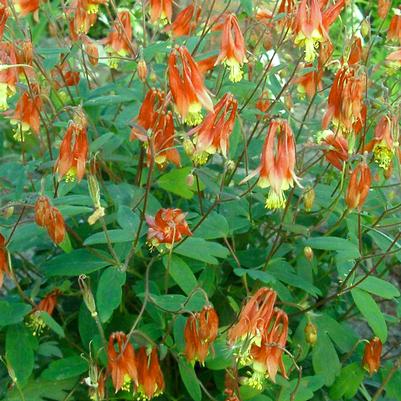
(230, 166)
(310, 333)
(189, 147)
(365, 28)
(94, 190)
(309, 198)
(87, 295)
(308, 252)
(8, 212)
(190, 179)
(142, 70)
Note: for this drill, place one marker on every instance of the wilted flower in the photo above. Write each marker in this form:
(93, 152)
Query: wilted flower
(118, 42)
(358, 186)
(187, 87)
(91, 50)
(150, 376)
(161, 10)
(27, 113)
(121, 361)
(267, 357)
(167, 227)
(385, 141)
(185, 22)
(50, 218)
(73, 150)
(47, 304)
(213, 134)
(277, 164)
(200, 332)
(3, 259)
(232, 50)
(394, 30)
(63, 76)
(372, 355)
(263, 103)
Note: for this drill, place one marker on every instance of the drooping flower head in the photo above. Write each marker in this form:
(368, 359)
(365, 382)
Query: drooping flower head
(8, 76)
(121, 362)
(73, 149)
(167, 227)
(383, 7)
(154, 116)
(385, 141)
(394, 30)
(213, 134)
(277, 163)
(372, 355)
(63, 76)
(26, 116)
(4, 14)
(310, 82)
(335, 148)
(150, 375)
(232, 50)
(25, 7)
(161, 10)
(118, 42)
(199, 333)
(358, 186)
(187, 86)
(82, 15)
(3, 260)
(185, 22)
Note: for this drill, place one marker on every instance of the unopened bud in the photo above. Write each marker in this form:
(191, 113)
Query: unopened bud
(8, 212)
(87, 294)
(311, 333)
(189, 147)
(230, 166)
(94, 190)
(153, 76)
(308, 252)
(365, 28)
(309, 198)
(142, 70)
(190, 179)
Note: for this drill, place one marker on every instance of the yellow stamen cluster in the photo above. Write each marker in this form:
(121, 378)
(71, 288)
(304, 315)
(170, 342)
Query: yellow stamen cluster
(383, 156)
(275, 200)
(36, 323)
(236, 72)
(310, 44)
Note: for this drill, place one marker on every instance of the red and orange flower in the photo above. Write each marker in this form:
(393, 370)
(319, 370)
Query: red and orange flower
(394, 30)
(121, 362)
(372, 355)
(3, 260)
(185, 22)
(8, 76)
(161, 10)
(358, 186)
(336, 148)
(187, 86)
(199, 333)
(167, 227)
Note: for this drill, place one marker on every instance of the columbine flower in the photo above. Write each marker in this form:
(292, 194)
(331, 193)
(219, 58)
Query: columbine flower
(250, 325)
(358, 187)
(9, 75)
(371, 355)
(161, 10)
(63, 76)
(184, 24)
(3, 260)
(25, 7)
(199, 333)
(277, 164)
(336, 148)
(232, 50)
(3, 16)
(50, 218)
(213, 134)
(310, 82)
(82, 15)
(385, 141)
(394, 30)
(267, 357)
(187, 86)
(394, 60)
(167, 227)
(150, 376)
(383, 7)
(152, 116)
(47, 304)
(118, 42)
(27, 113)
(91, 50)
(121, 361)
(73, 150)
(263, 104)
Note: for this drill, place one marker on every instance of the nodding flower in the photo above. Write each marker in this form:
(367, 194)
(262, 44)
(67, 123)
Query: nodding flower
(121, 362)
(335, 148)
(161, 10)
(154, 117)
(310, 82)
(187, 86)
(71, 161)
(3, 260)
(385, 141)
(263, 104)
(47, 304)
(118, 42)
(277, 163)
(150, 375)
(49, 217)
(25, 7)
(394, 30)
(185, 22)
(8, 76)
(213, 134)
(383, 7)
(63, 76)
(358, 186)
(372, 355)
(199, 333)
(232, 49)
(4, 14)
(167, 227)
(82, 15)
(267, 357)
(393, 60)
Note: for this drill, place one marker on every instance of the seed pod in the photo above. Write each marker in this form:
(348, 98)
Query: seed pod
(142, 70)
(310, 333)
(309, 198)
